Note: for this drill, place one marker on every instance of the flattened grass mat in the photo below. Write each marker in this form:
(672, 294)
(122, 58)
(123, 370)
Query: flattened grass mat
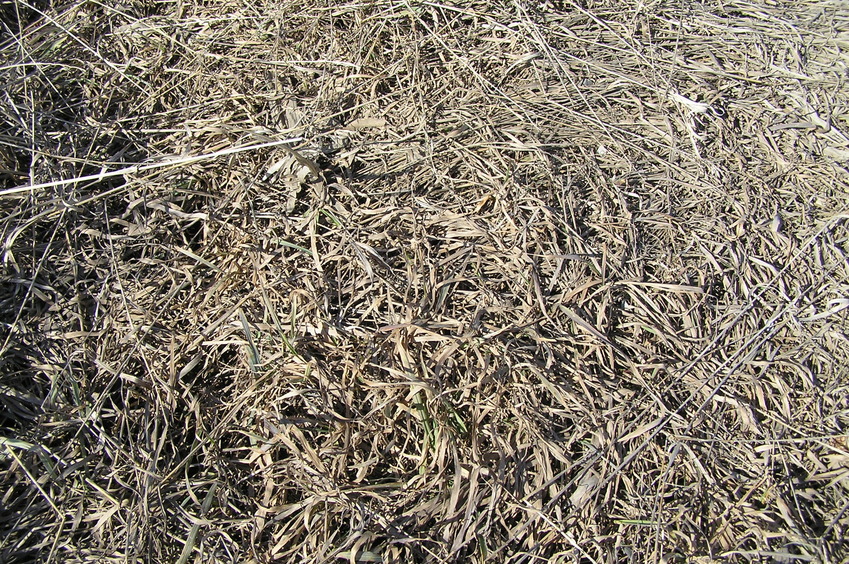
(406, 281)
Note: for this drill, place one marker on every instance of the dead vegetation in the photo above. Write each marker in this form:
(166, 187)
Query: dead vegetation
(414, 282)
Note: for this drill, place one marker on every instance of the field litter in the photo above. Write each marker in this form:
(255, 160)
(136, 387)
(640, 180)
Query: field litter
(409, 281)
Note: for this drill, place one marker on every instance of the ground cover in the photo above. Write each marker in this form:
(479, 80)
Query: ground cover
(409, 281)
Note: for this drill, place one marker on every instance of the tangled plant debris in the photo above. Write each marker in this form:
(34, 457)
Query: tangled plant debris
(396, 281)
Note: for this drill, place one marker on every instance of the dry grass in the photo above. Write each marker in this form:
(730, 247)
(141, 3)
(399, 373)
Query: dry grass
(404, 281)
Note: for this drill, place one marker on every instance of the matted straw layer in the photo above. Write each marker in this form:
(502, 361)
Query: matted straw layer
(408, 281)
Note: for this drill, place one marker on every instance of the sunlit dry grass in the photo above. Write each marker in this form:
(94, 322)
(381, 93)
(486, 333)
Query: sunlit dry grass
(417, 282)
